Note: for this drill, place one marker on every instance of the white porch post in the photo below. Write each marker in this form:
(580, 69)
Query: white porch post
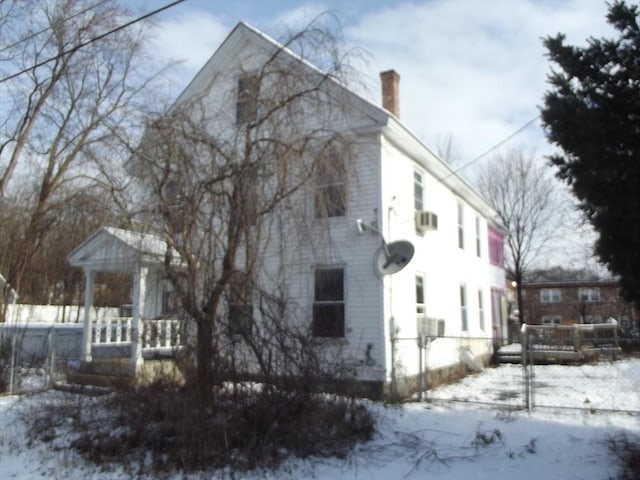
(90, 276)
(139, 294)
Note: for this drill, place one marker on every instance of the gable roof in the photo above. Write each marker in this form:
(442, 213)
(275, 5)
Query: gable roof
(380, 119)
(114, 249)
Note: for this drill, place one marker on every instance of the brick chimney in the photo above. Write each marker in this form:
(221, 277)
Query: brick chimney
(390, 81)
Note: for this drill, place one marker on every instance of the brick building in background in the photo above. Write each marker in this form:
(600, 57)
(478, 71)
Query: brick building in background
(558, 296)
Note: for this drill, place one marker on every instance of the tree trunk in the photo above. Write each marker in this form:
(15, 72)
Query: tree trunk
(204, 354)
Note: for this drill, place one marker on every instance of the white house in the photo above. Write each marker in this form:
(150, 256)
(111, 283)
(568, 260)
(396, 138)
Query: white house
(436, 311)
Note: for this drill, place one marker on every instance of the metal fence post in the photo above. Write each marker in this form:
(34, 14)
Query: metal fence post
(12, 370)
(52, 358)
(524, 345)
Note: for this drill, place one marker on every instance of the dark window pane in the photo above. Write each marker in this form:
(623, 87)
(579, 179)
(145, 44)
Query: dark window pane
(328, 320)
(329, 285)
(247, 99)
(240, 319)
(330, 198)
(419, 290)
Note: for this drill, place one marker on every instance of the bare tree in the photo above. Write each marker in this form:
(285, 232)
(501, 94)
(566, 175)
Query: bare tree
(448, 150)
(234, 171)
(526, 197)
(66, 111)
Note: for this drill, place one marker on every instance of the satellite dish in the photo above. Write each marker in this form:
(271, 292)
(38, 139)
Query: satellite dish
(393, 257)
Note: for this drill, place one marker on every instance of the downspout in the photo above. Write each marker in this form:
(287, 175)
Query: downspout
(392, 320)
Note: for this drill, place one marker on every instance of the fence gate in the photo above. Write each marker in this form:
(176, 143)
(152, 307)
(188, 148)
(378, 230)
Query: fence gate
(579, 366)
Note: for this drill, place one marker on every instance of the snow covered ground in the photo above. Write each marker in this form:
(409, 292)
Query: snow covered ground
(603, 386)
(416, 440)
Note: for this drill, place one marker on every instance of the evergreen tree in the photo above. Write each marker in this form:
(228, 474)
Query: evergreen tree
(592, 112)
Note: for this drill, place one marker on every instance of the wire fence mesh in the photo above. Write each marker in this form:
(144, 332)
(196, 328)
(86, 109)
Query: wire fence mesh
(33, 358)
(542, 372)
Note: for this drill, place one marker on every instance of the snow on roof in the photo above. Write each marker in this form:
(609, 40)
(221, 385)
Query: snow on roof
(114, 248)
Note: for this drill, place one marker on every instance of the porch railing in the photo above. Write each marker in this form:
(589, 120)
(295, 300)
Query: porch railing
(161, 335)
(112, 331)
(157, 335)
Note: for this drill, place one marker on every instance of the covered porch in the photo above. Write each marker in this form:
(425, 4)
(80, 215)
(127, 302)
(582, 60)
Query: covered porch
(148, 328)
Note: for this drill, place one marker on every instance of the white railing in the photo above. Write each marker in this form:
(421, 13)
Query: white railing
(157, 335)
(112, 331)
(161, 335)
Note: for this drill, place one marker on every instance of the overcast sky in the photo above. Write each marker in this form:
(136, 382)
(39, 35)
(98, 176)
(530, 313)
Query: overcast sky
(472, 71)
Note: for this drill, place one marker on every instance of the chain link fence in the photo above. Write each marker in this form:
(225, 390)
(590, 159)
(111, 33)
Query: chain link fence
(541, 371)
(33, 357)
(580, 368)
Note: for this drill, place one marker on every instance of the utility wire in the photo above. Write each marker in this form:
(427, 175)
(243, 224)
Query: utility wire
(92, 40)
(35, 34)
(497, 145)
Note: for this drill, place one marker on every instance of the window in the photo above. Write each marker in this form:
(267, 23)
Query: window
(463, 308)
(496, 248)
(330, 198)
(551, 319)
(172, 207)
(478, 243)
(418, 192)
(460, 225)
(240, 314)
(328, 303)
(550, 295)
(589, 295)
(481, 309)
(247, 99)
(168, 300)
(420, 310)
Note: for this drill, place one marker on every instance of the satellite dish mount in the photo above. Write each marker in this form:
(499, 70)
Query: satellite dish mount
(390, 257)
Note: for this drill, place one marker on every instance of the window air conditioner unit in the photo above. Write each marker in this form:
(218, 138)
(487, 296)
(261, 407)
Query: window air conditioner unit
(430, 327)
(426, 221)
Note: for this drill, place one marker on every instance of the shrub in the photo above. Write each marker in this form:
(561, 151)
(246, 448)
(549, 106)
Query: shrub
(163, 427)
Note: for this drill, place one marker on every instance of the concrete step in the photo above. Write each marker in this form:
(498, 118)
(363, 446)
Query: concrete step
(106, 373)
(504, 358)
(115, 367)
(98, 380)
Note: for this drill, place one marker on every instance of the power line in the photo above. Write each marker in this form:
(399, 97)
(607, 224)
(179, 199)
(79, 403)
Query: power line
(497, 145)
(35, 34)
(92, 40)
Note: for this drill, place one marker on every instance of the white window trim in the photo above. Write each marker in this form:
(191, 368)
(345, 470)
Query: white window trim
(460, 216)
(464, 307)
(589, 295)
(418, 179)
(551, 320)
(478, 237)
(420, 307)
(547, 295)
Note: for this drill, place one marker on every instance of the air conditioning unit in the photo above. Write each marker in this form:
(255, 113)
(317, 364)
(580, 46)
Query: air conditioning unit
(430, 327)
(426, 221)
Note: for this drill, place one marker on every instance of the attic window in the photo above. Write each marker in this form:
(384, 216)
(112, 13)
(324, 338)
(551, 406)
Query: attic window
(330, 195)
(247, 99)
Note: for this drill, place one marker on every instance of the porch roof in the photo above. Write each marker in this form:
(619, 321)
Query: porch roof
(111, 249)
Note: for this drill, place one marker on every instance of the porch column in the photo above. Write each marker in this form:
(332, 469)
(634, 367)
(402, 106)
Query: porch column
(139, 294)
(87, 331)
